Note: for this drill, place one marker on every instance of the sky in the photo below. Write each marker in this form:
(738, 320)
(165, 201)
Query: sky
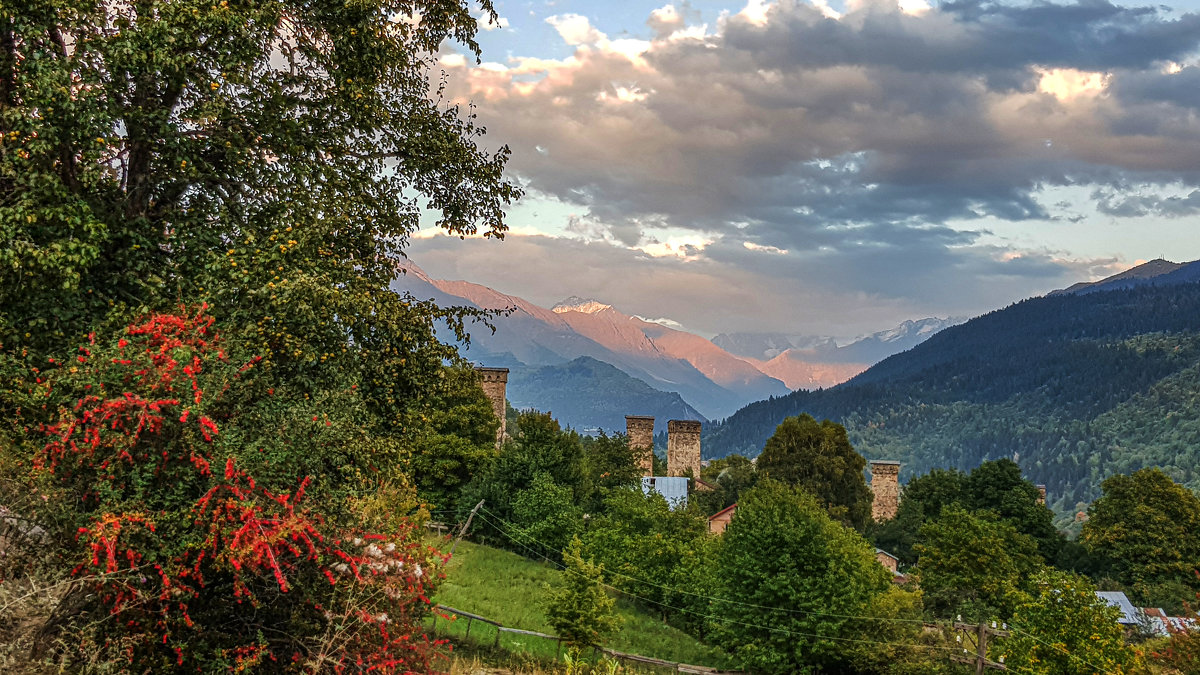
(823, 167)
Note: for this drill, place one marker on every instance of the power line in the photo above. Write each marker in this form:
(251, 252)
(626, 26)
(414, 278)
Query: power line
(715, 617)
(719, 599)
(745, 604)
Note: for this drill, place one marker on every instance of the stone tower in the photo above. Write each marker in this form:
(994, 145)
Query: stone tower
(885, 483)
(494, 382)
(641, 441)
(1041, 494)
(683, 448)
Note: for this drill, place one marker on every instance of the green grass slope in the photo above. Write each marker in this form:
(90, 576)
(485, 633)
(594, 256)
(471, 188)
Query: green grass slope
(505, 587)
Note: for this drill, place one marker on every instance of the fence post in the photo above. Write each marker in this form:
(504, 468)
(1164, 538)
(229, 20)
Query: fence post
(468, 635)
(558, 649)
(497, 645)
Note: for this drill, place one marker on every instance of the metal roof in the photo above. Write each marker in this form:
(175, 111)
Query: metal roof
(673, 488)
(1129, 614)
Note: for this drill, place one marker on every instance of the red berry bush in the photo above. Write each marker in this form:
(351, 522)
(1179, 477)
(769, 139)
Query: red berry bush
(214, 521)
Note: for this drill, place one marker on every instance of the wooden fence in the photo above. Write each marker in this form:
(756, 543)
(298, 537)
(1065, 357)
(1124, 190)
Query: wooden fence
(632, 658)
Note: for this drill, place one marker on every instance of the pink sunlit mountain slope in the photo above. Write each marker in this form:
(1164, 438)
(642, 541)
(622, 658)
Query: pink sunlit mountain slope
(798, 373)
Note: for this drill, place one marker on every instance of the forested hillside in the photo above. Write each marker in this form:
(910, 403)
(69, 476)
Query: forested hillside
(1077, 387)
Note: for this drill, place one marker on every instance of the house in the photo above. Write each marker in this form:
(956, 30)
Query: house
(1129, 614)
(674, 489)
(892, 563)
(1163, 625)
(718, 521)
(888, 560)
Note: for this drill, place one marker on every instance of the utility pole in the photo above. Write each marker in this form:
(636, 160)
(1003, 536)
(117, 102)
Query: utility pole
(467, 524)
(980, 634)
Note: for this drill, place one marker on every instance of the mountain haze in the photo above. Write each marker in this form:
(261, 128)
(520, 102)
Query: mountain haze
(711, 381)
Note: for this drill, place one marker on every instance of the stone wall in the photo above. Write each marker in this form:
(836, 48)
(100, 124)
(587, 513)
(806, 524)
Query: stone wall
(640, 430)
(683, 448)
(495, 382)
(885, 483)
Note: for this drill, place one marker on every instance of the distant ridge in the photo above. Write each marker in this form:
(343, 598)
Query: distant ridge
(1154, 271)
(1076, 386)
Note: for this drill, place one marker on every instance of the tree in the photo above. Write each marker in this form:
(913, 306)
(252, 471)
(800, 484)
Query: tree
(608, 465)
(731, 475)
(544, 461)
(796, 576)
(271, 159)
(999, 487)
(642, 543)
(1064, 628)
(973, 564)
(580, 610)
(818, 458)
(1147, 528)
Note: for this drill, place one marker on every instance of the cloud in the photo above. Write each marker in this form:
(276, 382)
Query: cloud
(852, 154)
(734, 289)
(797, 122)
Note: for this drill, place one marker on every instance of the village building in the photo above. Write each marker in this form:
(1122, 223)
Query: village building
(674, 489)
(718, 521)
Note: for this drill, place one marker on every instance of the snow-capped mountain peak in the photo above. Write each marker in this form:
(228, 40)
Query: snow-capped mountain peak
(578, 304)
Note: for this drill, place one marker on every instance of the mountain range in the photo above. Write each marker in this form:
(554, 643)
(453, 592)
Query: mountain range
(591, 364)
(1095, 379)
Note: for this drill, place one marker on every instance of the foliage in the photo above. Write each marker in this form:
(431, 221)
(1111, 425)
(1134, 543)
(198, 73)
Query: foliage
(818, 458)
(797, 575)
(457, 441)
(581, 611)
(643, 544)
(996, 487)
(546, 515)
(169, 513)
(731, 476)
(608, 465)
(541, 457)
(898, 643)
(1064, 628)
(192, 149)
(1080, 387)
(1147, 528)
(973, 564)
(1180, 651)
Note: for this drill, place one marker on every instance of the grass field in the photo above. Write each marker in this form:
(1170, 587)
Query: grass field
(507, 588)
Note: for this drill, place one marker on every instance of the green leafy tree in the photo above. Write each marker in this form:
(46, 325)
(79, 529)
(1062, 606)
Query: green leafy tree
(1147, 529)
(818, 457)
(999, 487)
(457, 442)
(608, 465)
(731, 476)
(1064, 628)
(541, 457)
(642, 543)
(271, 159)
(546, 516)
(580, 610)
(797, 575)
(973, 564)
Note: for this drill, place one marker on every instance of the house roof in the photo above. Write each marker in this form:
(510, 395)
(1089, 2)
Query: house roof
(1129, 614)
(673, 488)
(723, 511)
(879, 550)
